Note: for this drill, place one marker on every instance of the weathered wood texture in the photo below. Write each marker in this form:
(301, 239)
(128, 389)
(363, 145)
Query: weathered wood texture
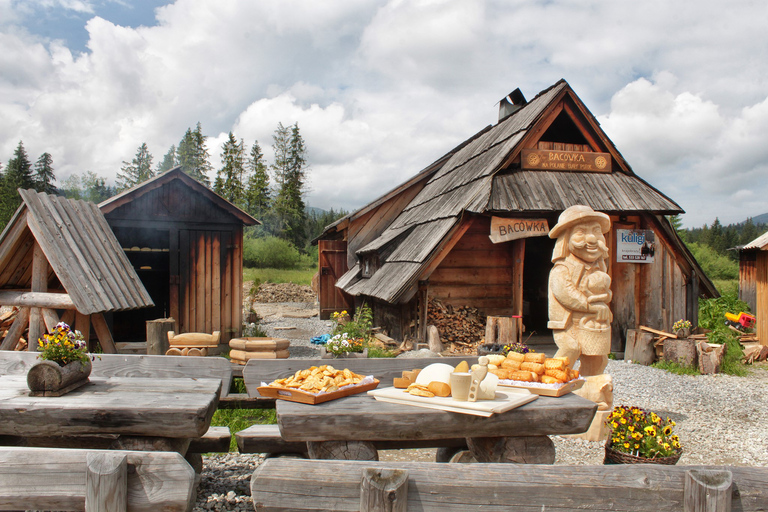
(157, 335)
(384, 369)
(517, 450)
(125, 365)
(361, 417)
(639, 347)
(761, 289)
(384, 490)
(708, 490)
(106, 482)
(279, 484)
(171, 408)
(748, 278)
(332, 264)
(681, 351)
(54, 479)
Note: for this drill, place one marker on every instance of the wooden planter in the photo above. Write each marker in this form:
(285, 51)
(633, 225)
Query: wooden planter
(47, 378)
(616, 457)
(349, 355)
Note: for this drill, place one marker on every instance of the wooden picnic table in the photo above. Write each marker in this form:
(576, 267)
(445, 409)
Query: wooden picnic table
(128, 412)
(345, 428)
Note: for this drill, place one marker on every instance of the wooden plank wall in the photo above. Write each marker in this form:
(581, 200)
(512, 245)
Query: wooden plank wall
(332, 263)
(748, 278)
(761, 296)
(476, 273)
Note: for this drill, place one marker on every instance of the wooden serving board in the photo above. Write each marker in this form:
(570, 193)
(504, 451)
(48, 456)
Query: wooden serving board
(505, 400)
(297, 395)
(562, 390)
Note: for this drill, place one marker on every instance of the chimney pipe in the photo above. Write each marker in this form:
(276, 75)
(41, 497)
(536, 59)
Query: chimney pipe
(511, 103)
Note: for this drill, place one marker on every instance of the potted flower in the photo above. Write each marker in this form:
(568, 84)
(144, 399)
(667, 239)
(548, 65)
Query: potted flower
(342, 345)
(64, 366)
(350, 336)
(682, 328)
(638, 437)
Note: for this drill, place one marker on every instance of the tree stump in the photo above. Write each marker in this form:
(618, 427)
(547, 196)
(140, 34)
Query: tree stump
(342, 450)
(157, 335)
(640, 347)
(519, 450)
(710, 357)
(708, 490)
(681, 351)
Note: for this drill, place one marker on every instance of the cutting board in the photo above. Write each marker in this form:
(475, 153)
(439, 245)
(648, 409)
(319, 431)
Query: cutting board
(505, 400)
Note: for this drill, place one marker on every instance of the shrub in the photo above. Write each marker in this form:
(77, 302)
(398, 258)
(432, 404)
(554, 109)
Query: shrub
(270, 252)
(716, 266)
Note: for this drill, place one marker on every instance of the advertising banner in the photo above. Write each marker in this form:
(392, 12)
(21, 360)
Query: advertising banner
(635, 245)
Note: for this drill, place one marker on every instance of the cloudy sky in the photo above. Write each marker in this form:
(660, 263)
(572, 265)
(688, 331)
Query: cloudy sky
(380, 89)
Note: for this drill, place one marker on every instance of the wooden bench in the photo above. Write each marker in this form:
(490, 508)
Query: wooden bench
(144, 366)
(94, 480)
(287, 484)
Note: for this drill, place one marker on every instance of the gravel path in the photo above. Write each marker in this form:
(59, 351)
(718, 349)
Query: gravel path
(720, 419)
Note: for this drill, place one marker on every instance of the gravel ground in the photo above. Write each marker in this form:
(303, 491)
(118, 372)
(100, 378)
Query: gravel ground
(720, 419)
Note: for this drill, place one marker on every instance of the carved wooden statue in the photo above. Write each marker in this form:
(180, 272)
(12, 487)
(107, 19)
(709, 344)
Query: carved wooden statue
(579, 289)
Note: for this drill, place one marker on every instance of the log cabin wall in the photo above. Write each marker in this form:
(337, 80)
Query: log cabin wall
(748, 278)
(476, 273)
(761, 296)
(201, 244)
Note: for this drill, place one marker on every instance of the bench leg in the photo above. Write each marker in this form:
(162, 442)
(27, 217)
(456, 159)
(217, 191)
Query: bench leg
(517, 450)
(342, 450)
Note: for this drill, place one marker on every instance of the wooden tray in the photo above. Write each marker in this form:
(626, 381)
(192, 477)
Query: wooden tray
(562, 390)
(505, 400)
(297, 395)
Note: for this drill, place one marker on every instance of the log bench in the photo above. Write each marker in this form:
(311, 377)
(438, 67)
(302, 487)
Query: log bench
(298, 484)
(94, 480)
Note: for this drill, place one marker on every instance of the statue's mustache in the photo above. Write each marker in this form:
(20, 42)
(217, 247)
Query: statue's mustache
(580, 245)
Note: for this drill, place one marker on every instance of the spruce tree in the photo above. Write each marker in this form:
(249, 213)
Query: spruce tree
(193, 155)
(257, 194)
(290, 175)
(229, 179)
(18, 174)
(137, 171)
(44, 176)
(170, 160)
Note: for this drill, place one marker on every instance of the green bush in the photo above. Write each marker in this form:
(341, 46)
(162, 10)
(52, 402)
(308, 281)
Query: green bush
(271, 252)
(712, 316)
(716, 266)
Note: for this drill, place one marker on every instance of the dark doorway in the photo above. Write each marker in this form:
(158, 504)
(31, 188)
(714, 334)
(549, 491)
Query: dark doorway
(538, 263)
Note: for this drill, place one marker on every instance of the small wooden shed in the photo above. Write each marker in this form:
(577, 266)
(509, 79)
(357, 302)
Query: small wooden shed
(186, 244)
(471, 228)
(753, 282)
(60, 261)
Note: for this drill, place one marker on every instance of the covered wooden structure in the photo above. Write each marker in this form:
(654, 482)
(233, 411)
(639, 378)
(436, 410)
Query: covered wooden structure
(470, 229)
(753, 282)
(61, 262)
(186, 244)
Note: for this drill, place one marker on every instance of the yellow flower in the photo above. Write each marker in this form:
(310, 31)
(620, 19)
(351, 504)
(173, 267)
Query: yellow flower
(626, 445)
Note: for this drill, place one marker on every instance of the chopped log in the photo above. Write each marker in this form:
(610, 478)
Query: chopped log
(518, 450)
(710, 357)
(707, 490)
(157, 335)
(682, 351)
(345, 450)
(106, 482)
(384, 490)
(640, 347)
(501, 330)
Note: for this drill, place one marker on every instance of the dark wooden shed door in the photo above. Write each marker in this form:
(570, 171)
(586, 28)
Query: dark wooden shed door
(205, 286)
(333, 265)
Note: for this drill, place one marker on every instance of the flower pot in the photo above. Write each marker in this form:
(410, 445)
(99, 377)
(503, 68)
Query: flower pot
(324, 354)
(683, 333)
(616, 457)
(489, 348)
(47, 378)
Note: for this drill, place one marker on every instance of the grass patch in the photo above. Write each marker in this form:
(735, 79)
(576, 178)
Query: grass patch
(374, 351)
(727, 286)
(676, 368)
(240, 419)
(277, 275)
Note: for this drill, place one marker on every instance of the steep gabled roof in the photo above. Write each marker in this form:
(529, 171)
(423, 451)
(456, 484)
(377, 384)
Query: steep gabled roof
(81, 249)
(758, 243)
(158, 181)
(478, 177)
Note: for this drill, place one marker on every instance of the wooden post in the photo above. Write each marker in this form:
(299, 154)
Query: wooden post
(640, 347)
(51, 318)
(518, 259)
(384, 490)
(39, 284)
(83, 324)
(707, 491)
(102, 331)
(157, 335)
(106, 482)
(423, 309)
(501, 329)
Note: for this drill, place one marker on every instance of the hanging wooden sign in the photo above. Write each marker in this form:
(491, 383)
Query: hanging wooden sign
(555, 160)
(506, 229)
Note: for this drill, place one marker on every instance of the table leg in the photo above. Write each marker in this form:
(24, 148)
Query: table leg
(342, 450)
(518, 450)
(151, 444)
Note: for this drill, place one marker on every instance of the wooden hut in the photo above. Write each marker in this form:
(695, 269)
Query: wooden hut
(753, 282)
(61, 262)
(470, 229)
(186, 244)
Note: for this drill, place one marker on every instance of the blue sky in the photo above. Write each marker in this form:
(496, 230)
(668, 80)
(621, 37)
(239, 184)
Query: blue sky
(380, 89)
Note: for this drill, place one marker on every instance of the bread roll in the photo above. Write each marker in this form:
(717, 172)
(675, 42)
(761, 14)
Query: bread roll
(516, 356)
(535, 357)
(401, 383)
(500, 373)
(558, 374)
(495, 359)
(510, 364)
(565, 359)
(554, 364)
(522, 375)
(546, 379)
(573, 374)
(533, 367)
(439, 388)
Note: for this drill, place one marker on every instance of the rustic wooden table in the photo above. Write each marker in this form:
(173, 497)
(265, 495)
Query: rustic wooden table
(345, 428)
(125, 413)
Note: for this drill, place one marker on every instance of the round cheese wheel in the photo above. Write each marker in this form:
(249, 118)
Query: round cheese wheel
(439, 372)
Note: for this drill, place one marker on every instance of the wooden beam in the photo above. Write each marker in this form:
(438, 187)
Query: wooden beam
(518, 260)
(83, 324)
(40, 269)
(106, 482)
(36, 299)
(102, 331)
(50, 317)
(17, 328)
(384, 490)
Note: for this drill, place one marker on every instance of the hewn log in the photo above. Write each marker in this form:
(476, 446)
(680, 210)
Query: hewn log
(106, 482)
(639, 347)
(48, 378)
(36, 299)
(157, 335)
(707, 491)
(343, 450)
(384, 490)
(50, 318)
(518, 450)
(285, 484)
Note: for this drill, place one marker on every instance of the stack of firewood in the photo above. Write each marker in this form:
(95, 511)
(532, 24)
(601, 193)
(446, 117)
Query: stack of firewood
(460, 327)
(6, 320)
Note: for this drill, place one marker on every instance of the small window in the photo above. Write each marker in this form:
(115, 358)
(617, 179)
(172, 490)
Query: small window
(369, 264)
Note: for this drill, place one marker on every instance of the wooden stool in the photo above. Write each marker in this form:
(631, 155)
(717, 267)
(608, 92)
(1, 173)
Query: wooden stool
(191, 343)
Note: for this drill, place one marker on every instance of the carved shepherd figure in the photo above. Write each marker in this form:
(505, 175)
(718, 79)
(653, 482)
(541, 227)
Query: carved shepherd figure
(579, 289)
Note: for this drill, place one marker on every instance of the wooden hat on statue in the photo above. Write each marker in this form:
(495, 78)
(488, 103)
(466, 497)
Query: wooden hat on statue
(579, 213)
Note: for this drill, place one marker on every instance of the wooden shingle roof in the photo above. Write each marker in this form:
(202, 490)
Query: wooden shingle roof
(477, 177)
(81, 249)
(758, 243)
